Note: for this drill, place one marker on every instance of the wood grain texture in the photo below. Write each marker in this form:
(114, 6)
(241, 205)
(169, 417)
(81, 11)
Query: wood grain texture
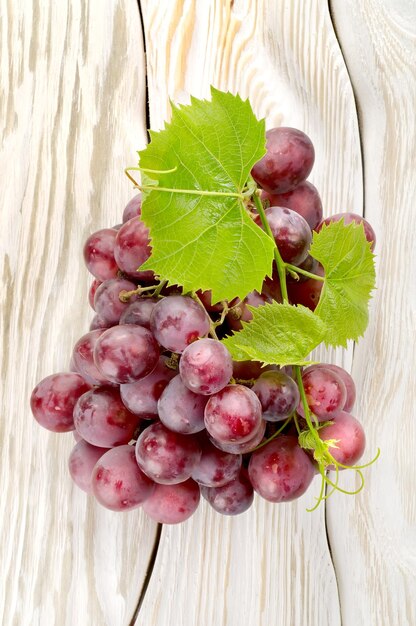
(73, 109)
(374, 534)
(272, 565)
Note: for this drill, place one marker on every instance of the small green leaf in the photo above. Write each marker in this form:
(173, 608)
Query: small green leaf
(206, 241)
(348, 262)
(279, 334)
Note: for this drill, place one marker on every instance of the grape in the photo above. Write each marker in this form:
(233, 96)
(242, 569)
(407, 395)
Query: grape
(325, 393)
(142, 396)
(77, 436)
(291, 233)
(99, 254)
(173, 504)
(350, 437)
(346, 379)
(246, 446)
(132, 249)
(101, 418)
(133, 208)
(231, 499)
(306, 292)
(206, 299)
(94, 286)
(206, 366)
(53, 400)
(139, 312)
(180, 409)
(83, 357)
(271, 288)
(107, 301)
(126, 353)
(281, 471)
(304, 200)
(278, 395)
(81, 462)
(166, 457)
(176, 321)
(117, 481)
(249, 370)
(288, 161)
(98, 323)
(352, 217)
(233, 414)
(240, 311)
(216, 468)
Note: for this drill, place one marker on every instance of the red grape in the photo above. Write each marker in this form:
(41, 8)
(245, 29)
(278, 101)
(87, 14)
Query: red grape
(346, 379)
(325, 393)
(352, 217)
(132, 249)
(177, 321)
(126, 353)
(180, 409)
(291, 233)
(83, 357)
(173, 504)
(101, 418)
(304, 200)
(231, 499)
(99, 254)
(133, 208)
(350, 437)
(278, 395)
(216, 468)
(142, 396)
(139, 312)
(94, 286)
(107, 301)
(233, 414)
(53, 400)
(81, 462)
(281, 471)
(246, 446)
(288, 161)
(306, 292)
(206, 366)
(166, 457)
(117, 481)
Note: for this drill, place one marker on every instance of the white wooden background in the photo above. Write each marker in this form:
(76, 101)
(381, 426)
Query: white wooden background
(73, 112)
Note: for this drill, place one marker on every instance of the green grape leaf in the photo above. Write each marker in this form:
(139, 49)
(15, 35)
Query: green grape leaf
(279, 334)
(348, 262)
(201, 240)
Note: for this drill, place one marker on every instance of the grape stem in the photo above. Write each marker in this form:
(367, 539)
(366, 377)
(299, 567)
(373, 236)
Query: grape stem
(298, 270)
(281, 266)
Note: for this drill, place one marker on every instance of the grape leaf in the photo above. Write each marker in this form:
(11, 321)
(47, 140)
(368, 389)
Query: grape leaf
(348, 262)
(279, 334)
(205, 241)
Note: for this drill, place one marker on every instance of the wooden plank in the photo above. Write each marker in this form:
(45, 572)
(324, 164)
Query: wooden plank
(373, 536)
(73, 106)
(271, 565)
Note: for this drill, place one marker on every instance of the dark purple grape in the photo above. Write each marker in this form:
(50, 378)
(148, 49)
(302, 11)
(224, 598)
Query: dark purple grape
(83, 357)
(206, 366)
(101, 418)
(309, 265)
(216, 468)
(306, 292)
(291, 233)
(278, 395)
(231, 499)
(81, 463)
(180, 409)
(126, 353)
(325, 393)
(177, 321)
(53, 400)
(107, 301)
(241, 313)
(346, 379)
(352, 217)
(91, 293)
(139, 312)
(304, 200)
(132, 249)
(166, 457)
(117, 481)
(99, 254)
(133, 208)
(173, 504)
(350, 438)
(142, 396)
(281, 471)
(250, 370)
(288, 161)
(233, 415)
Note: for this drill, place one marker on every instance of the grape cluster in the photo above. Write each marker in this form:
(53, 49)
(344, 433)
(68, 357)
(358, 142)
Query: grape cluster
(160, 412)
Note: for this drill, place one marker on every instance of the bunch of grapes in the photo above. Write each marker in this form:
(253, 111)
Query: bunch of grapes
(160, 412)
